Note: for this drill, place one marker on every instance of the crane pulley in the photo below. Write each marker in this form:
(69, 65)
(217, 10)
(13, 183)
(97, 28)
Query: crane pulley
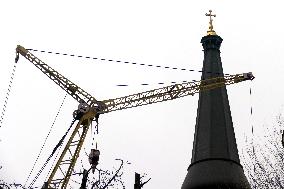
(90, 108)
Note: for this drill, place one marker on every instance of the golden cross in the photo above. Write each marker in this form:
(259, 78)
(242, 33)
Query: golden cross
(211, 31)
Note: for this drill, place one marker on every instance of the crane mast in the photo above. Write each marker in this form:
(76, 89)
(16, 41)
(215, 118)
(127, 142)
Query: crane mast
(89, 109)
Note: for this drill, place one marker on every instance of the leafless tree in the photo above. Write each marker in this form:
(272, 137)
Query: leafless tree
(264, 157)
(103, 179)
(5, 185)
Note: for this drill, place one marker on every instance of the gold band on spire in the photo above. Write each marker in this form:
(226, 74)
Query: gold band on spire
(211, 30)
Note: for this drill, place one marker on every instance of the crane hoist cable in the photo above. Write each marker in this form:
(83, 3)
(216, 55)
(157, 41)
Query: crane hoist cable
(43, 145)
(90, 108)
(53, 163)
(8, 92)
(52, 153)
(252, 130)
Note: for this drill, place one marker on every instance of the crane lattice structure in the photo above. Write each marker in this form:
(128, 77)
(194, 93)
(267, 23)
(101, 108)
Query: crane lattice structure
(90, 108)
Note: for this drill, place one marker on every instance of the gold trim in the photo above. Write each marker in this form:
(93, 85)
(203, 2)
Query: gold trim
(211, 31)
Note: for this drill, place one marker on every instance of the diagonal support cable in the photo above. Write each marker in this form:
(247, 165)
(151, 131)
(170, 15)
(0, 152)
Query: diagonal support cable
(43, 145)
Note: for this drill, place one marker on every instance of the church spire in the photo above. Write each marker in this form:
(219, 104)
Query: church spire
(215, 160)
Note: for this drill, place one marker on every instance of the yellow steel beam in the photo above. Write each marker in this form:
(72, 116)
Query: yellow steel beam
(83, 124)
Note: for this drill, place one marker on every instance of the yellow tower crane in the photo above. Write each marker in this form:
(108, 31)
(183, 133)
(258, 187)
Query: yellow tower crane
(89, 109)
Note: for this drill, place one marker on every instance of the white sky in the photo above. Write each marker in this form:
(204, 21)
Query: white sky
(156, 139)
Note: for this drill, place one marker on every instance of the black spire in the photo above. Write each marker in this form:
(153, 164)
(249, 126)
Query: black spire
(214, 134)
(215, 161)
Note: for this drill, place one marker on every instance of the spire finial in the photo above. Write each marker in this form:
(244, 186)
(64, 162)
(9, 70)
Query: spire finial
(211, 30)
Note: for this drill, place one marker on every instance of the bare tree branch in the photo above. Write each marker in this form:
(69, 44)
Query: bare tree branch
(263, 158)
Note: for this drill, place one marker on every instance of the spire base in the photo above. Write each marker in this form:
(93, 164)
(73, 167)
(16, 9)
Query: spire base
(211, 32)
(215, 174)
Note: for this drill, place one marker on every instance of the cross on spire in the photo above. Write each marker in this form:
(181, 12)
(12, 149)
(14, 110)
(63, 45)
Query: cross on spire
(211, 31)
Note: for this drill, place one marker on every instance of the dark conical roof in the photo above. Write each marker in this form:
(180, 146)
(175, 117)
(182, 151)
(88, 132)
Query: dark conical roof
(214, 134)
(215, 161)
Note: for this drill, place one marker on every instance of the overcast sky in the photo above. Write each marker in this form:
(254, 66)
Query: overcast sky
(157, 139)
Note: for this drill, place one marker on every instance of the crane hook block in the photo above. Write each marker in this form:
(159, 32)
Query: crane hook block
(17, 57)
(94, 159)
(248, 76)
